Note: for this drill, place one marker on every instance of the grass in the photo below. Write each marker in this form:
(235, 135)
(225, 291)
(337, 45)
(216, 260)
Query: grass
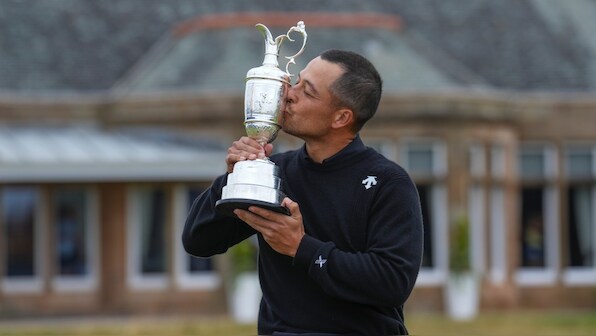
(165, 326)
(514, 323)
(508, 323)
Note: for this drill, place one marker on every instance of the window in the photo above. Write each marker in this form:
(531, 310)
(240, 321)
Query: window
(21, 248)
(532, 229)
(538, 216)
(425, 161)
(147, 237)
(420, 159)
(580, 231)
(581, 228)
(191, 272)
(75, 239)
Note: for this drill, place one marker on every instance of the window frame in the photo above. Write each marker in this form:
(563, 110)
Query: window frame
(477, 206)
(183, 277)
(573, 275)
(27, 284)
(137, 281)
(90, 281)
(547, 275)
(437, 274)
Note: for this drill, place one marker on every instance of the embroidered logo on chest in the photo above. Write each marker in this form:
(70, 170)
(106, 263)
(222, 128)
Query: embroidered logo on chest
(369, 182)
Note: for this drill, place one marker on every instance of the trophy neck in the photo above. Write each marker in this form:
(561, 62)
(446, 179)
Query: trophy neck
(271, 46)
(271, 59)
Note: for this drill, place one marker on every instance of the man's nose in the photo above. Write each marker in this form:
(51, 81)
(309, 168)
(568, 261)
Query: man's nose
(290, 97)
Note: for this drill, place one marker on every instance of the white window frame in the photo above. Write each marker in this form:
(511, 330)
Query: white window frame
(498, 234)
(477, 208)
(184, 279)
(497, 223)
(437, 275)
(137, 281)
(90, 281)
(582, 276)
(30, 284)
(526, 276)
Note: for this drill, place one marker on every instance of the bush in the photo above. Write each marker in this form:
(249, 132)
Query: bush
(459, 245)
(244, 257)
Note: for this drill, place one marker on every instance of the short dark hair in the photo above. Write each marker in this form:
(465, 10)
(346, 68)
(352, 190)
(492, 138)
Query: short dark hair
(359, 88)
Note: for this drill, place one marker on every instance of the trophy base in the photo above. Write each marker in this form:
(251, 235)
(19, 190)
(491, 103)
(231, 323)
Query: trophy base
(227, 206)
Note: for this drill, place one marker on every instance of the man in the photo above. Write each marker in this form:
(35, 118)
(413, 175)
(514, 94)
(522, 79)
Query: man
(346, 258)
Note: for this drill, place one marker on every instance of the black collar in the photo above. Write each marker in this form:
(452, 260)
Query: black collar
(341, 158)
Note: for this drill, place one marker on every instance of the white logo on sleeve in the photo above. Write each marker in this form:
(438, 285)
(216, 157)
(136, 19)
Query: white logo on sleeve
(369, 181)
(320, 261)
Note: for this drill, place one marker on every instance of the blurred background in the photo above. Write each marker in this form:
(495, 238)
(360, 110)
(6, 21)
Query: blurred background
(115, 115)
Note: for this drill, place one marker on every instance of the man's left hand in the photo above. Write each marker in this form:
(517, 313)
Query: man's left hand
(283, 233)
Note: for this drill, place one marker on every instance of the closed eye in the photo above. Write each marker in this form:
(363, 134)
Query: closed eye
(307, 87)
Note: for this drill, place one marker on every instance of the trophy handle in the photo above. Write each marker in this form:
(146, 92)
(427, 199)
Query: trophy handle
(272, 46)
(300, 27)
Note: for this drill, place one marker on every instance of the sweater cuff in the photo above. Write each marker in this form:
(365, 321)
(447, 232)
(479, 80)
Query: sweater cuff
(306, 251)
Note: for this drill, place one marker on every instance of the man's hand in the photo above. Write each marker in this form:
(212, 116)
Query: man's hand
(246, 149)
(283, 233)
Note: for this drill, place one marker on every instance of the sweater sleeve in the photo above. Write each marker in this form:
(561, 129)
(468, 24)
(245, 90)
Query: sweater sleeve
(207, 232)
(384, 274)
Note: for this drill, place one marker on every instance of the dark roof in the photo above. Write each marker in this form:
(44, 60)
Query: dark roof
(213, 54)
(516, 43)
(88, 45)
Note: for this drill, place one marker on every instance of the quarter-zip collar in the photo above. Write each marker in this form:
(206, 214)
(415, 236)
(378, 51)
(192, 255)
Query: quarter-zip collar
(347, 155)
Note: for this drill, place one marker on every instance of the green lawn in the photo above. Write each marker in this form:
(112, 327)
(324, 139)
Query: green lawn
(515, 323)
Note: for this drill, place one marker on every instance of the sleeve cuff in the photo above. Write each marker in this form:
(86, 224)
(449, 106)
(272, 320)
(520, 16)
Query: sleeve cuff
(306, 251)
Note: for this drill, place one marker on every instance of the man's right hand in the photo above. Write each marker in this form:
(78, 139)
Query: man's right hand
(246, 149)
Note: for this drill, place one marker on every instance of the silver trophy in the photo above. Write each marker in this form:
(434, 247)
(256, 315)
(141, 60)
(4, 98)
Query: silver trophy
(257, 182)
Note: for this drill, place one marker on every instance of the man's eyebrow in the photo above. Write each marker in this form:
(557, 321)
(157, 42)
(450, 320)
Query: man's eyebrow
(311, 87)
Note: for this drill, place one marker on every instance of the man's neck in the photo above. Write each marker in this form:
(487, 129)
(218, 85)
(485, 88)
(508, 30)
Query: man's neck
(322, 149)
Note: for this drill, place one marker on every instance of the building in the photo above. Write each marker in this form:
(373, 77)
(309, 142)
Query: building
(490, 107)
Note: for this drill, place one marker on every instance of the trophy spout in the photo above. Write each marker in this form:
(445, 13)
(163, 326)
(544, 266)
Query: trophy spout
(271, 46)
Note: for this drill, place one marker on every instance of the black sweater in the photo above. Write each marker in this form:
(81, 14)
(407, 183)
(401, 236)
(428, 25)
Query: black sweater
(361, 254)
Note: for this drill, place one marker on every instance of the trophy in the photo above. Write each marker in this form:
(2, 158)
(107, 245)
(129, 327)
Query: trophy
(257, 182)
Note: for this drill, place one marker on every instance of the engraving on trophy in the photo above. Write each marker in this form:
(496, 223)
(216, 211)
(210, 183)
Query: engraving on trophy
(258, 182)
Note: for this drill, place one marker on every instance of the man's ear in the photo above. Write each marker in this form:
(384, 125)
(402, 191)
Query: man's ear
(342, 118)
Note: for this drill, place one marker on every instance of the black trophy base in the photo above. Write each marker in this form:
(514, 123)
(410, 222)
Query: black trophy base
(227, 206)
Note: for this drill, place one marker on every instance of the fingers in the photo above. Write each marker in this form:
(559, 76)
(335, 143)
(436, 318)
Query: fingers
(261, 219)
(246, 149)
(262, 213)
(281, 232)
(268, 149)
(256, 217)
(292, 206)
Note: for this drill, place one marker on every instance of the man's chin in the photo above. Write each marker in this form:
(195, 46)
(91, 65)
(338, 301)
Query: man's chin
(287, 130)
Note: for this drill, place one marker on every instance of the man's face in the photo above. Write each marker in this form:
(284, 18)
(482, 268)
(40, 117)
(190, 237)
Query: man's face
(310, 108)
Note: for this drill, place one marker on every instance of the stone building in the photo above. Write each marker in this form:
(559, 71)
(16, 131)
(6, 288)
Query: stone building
(115, 117)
